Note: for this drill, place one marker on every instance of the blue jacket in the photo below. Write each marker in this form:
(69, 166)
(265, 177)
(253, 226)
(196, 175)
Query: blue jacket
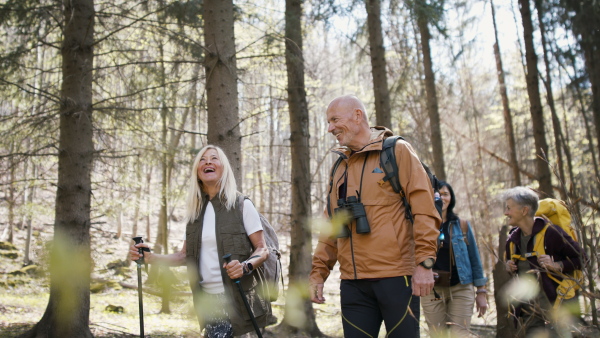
(468, 262)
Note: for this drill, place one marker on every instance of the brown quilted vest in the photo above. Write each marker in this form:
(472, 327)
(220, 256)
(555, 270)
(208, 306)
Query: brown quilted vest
(231, 239)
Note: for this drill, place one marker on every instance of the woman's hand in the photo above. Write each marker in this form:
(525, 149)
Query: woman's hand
(481, 303)
(511, 267)
(134, 254)
(547, 262)
(234, 269)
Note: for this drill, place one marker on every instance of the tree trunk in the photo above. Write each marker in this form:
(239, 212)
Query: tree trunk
(505, 325)
(535, 103)
(28, 220)
(161, 232)
(67, 313)
(550, 98)
(508, 125)
(432, 104)
(221, 82)
(11, 200)
(592, 63)
(586, 24)
(148, 204)
(378, 65)
(301, 245)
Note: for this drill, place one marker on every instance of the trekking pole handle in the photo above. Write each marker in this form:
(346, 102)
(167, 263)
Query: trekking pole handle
(227, 259)
(141, 250)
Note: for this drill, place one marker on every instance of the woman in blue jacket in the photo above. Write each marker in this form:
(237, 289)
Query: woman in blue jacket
(460, 281)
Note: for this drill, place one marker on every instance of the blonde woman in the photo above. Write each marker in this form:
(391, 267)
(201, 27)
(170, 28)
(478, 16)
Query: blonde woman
(215, 227)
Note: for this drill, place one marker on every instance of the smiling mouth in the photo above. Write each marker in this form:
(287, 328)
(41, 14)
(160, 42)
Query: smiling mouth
(209, 170)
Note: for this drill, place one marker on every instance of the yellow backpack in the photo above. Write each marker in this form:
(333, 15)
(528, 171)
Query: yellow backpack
(556, 212)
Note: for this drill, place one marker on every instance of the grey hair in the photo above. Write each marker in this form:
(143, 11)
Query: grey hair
(524, 197)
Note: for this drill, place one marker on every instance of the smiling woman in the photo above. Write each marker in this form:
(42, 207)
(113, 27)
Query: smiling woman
(215, 227)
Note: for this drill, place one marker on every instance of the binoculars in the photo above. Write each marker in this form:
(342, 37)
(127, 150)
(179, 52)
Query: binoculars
(356, 209)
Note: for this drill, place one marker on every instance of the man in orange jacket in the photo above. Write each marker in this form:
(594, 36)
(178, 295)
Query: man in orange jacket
(385, 259)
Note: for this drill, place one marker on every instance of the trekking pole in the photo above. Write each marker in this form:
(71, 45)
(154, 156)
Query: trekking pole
(227, 259)
(139, 262)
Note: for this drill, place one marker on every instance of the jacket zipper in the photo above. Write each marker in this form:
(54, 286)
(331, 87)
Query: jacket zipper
(352, 252)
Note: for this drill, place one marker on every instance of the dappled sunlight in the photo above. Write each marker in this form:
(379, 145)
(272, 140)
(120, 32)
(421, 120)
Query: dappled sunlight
(70, 267)
(522, 289)
(334, 226)
(294, 308)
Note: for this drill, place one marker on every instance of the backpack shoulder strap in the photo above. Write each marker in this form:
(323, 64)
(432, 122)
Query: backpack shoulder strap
(333, 170)
(389, 164)
(539, 239)
(387, 161)
(240, 204)
(464, 227)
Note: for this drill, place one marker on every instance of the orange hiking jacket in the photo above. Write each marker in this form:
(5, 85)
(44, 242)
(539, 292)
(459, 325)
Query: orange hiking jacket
(394, 246)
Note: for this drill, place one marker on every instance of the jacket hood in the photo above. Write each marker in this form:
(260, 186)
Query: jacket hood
(378, 134)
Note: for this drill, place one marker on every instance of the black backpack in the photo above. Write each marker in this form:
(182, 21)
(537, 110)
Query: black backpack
(387, 161)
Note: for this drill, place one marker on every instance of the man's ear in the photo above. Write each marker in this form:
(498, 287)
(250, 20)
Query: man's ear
(358, 115)
(526, 208)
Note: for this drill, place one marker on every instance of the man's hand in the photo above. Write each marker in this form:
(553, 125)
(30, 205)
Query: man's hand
(316, 293)
(422, 281)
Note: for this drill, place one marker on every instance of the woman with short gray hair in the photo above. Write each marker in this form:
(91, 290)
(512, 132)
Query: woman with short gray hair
(524, 197)
(561, 255)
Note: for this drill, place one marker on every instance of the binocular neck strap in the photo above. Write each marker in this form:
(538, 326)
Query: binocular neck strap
(344, 194)
(362, 174)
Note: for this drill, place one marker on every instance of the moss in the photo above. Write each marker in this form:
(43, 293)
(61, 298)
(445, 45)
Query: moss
(7, 246)
(97, 287)
(32, 270)
(9, 254)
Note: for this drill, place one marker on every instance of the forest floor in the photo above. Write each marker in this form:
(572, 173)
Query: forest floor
(114, 308)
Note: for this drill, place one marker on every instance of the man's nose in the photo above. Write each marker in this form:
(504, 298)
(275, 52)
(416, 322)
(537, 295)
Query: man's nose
(330, 127)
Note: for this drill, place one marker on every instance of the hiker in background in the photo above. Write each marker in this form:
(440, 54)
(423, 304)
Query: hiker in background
(385, 259)
(550, 261)
(458, 269)
(213, 230)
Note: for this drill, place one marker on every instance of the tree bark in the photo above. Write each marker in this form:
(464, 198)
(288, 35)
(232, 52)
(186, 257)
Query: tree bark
(556, 126)
(535, 103)
(586, 24)
(67, 313)
(432, 104)
(221, 82)
(301, 245)
(505, 325)
(378, 65)
(508, 124)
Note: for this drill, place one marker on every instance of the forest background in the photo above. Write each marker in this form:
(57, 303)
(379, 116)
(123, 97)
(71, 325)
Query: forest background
(105, 104)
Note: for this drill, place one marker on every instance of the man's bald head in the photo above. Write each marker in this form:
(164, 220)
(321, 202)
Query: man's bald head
(349, 103)
(348, 122)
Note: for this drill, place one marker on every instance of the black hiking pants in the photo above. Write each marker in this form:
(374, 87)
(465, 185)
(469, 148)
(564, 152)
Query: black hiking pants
(366, 303)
